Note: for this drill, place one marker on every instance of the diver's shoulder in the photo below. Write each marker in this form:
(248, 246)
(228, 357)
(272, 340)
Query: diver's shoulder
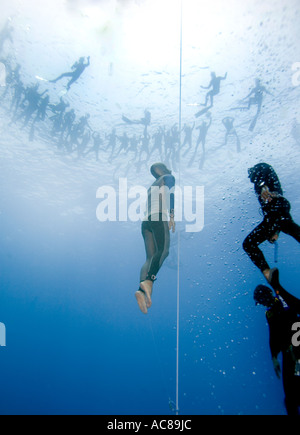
(169, 177)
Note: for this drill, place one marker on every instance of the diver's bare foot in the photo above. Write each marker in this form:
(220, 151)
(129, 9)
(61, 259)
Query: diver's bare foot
(141, 300)
(147, 287)
(268, 273)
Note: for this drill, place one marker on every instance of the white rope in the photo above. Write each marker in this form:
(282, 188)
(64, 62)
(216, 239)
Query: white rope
(179, 240)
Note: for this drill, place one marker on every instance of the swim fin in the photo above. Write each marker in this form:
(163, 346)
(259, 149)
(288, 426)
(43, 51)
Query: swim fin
(127, 120)
(202, 112)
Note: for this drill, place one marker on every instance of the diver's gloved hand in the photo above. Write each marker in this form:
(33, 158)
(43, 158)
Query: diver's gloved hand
(277, 367)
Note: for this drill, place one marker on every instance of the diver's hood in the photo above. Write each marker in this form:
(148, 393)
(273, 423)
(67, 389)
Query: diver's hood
(263, 295)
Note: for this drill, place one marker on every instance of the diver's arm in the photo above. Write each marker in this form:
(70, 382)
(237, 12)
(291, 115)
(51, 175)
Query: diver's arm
(225, 77)
(207, 87)
(88, 64)
(251, 93)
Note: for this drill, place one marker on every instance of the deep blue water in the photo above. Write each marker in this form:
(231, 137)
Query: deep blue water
(76, 341)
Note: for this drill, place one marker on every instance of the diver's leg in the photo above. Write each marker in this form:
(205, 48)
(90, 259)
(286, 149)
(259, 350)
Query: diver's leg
(161, 240)
(226, 138)
(251, 244)
(72, 81)
(143, 295)
(161, 235)
(61, 77)
(238, 143)
(290, 228)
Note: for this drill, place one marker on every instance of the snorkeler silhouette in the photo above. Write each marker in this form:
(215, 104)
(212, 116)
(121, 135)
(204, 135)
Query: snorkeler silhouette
(188, 140)
(159, 220)
(33, 98)
(277, 218)
(203, 131)
(97, 143)
(231, 131)
(78, 68)
(146, 121)
(158, 142)
(215, 84)
(282, 314)
(255, 98)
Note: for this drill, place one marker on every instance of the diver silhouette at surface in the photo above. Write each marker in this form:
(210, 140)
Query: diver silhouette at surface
(256, 98)
(277, 216)
(33, 98)
(158, 142)
(282, 314)
(215, 84)
(158, 222)
(188, 140)
(203, 131)
(112, 142)
(97, 143)
(79, 67)
(146, 121)
(231, 131)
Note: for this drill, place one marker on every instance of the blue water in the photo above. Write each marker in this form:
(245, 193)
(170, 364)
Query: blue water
(76, 341)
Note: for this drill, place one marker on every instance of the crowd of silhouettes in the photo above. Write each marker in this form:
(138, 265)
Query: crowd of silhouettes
(72, 135)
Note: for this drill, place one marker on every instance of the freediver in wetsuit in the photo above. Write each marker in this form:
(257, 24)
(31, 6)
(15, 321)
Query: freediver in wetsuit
(78, 68)
(159, 220)
(277, 218)
(282, 315)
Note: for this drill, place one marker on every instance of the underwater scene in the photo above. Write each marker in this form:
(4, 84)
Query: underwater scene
(99, 100)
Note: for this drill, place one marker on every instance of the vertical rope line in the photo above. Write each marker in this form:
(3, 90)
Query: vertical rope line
(179, 240)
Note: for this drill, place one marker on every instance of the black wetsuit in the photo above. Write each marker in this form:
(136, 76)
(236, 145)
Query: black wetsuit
(277, 217)
(281, 318)
(156, 233)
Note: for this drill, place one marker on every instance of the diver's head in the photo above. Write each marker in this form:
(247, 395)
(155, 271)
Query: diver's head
(213, 74)
(252, 174)
(81, 60)
(264, 296)
(258, 82)
(256, 172)
(159, 169)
